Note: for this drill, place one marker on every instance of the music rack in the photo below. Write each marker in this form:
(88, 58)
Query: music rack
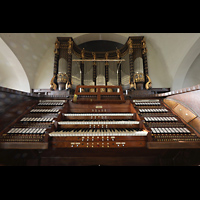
(100, 94)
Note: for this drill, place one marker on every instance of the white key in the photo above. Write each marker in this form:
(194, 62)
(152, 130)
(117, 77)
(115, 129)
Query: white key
(11, 130)
(157, 130)
(44, 130)
(186, 130)
(24, 130)
(170, 129)
(176, 130)
(164, 131)
(160, 129)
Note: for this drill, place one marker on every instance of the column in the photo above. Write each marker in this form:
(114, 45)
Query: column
(53, 83)
(130, 43)
(94, 69)
(144, 57)
(82, 72)
(69, 62)
(94, 73)
(56, 57)
(119, 68)
(145, 65)
(106, 69)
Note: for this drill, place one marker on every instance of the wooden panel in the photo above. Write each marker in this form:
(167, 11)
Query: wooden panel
(195, 123)
(98, 96)
(100, 126)
(191, 99)
(173, 145)
(184, 113)
(126, 144)
(99, 138)
(172, 104)
(98, 107)
(24, 145)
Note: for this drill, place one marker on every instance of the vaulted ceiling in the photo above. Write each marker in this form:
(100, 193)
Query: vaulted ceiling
(27, 59)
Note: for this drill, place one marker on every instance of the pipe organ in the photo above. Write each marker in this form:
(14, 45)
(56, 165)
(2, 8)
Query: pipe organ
(101, 124)
(65, 47)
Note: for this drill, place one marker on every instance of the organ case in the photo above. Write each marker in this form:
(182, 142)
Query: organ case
(67, 49)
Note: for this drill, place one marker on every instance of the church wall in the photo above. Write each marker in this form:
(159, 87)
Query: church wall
(186, 63)
(12, 74)
(44, 71)
(192, 77)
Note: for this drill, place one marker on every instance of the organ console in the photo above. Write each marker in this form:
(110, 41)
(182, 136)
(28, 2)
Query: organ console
(101, 124)
(143, 127)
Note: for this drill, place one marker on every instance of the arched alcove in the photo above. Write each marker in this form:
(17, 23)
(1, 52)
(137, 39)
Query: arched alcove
(62, 66)
(138, 65)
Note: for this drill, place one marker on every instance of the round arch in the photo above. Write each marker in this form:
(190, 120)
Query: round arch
(100, 36)
(185, 65)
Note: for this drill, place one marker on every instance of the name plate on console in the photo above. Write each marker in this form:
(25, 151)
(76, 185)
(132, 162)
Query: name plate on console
(99, 106)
